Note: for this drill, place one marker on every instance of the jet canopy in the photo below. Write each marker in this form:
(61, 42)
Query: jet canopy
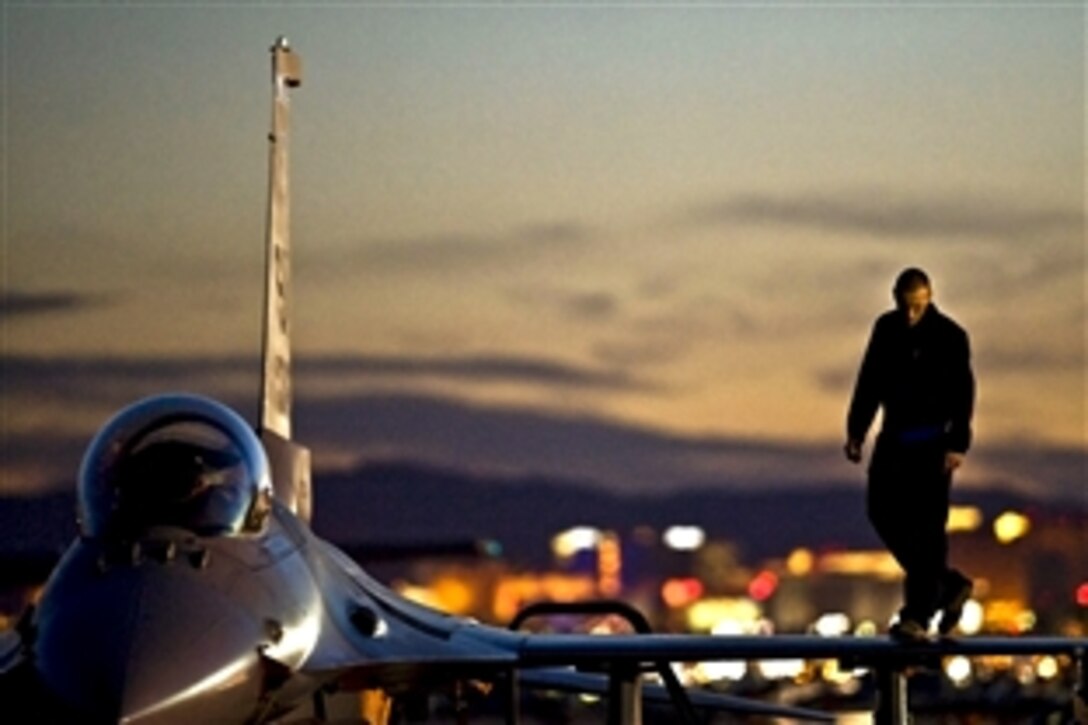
(175, 460)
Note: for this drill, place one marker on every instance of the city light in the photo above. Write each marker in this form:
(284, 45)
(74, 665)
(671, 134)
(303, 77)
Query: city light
(514, 592)
(832, 624)
(1082, 595)
(831, 671)
(714, 671)
(880, 564)
(453, 595)
(1010, 526)
(420, 595)
(684, 538)
(763, 586)
(866, 628)
(1047, 668)
(678, 593)
(782, 669)
(1025, 673)
(580, 538)
(972, 618)
(958, 670)
(1009, 615)
(609, 565)
(718, 671)
(964, 518)
(723, 615)
(1025, 621)
(800, 562)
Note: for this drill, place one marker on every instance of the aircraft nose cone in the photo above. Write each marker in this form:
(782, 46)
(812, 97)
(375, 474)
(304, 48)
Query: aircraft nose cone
(147, 643)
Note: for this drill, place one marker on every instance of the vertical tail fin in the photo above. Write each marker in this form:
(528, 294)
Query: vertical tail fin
(290, 462)
(276, 370)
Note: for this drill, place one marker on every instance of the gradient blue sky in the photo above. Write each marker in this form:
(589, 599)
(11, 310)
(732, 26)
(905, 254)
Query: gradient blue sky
(666, 227)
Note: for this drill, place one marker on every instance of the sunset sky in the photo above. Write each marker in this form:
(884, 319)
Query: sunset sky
(636, 244)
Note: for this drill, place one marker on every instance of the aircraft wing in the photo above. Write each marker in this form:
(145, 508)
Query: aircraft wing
(421, 640)
(482, 650)
(10, 646)
(582, 663)
(592, 651)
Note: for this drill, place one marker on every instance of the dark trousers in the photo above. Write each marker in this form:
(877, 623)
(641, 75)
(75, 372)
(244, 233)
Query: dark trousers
(907, 504)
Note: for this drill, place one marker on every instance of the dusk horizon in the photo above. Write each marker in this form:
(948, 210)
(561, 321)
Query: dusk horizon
(639, 246)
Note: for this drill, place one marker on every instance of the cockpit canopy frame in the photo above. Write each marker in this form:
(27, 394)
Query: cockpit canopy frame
(176, 460)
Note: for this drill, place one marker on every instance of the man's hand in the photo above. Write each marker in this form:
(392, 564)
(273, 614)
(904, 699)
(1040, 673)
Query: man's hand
(952, 461)
(852, 449)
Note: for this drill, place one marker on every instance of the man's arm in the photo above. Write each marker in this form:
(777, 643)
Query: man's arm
(852, 449)
(962, 393)
(866, 398)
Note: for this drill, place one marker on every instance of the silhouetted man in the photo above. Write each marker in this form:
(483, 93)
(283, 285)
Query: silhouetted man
(917, 368)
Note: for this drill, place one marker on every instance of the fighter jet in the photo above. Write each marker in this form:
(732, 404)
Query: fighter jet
(197, 592)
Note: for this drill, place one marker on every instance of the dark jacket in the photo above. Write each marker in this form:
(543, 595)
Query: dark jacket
(922, 378)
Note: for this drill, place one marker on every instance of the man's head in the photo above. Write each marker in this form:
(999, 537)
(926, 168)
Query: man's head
(912, 294)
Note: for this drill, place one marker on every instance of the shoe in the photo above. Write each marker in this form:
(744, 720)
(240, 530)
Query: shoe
(952, 607)
(909, 630)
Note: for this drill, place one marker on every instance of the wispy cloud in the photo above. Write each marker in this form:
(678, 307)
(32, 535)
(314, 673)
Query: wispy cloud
(479, 369)
(889, 215)
(622, 457)
(1016, 357)
(578, 305)
(664, 337)
(82, 376)
(1025, 359)
(837, 380)
(75, 394)
(87, 373)
(15, 304)
(523, 441)
(561, 232)
(454, 250)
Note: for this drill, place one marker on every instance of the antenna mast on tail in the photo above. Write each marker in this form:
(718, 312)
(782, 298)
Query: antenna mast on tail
(290, 462)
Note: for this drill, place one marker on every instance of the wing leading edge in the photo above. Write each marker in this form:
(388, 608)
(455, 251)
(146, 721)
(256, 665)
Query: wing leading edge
(482, 649)
(591, 651)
